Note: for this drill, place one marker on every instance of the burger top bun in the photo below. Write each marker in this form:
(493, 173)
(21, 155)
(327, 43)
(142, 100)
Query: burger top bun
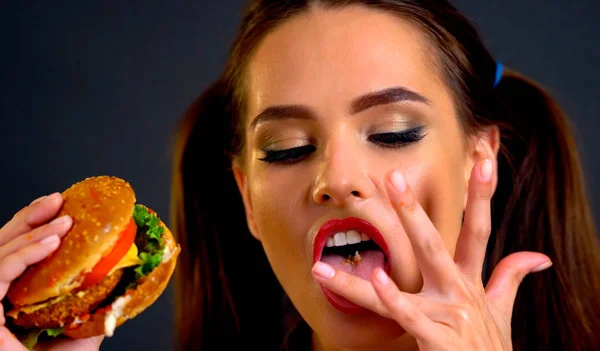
(101, 208)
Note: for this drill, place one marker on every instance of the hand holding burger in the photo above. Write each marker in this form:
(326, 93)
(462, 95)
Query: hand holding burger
(104, 260)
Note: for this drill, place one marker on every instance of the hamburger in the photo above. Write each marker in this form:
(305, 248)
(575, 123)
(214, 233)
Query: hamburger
(115, 261)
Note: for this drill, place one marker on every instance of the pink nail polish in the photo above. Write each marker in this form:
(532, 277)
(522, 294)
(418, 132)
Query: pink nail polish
(50, 240)
(60, 220)
(382, 277)
(323, 270)
(39, 199)
(398, 181)
(541, 267)
(51, 197)
(486, 170)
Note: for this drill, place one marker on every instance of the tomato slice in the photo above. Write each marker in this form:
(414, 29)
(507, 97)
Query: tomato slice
(102, 268)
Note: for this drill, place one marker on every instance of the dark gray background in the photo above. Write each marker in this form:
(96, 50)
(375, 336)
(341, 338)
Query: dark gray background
(96, 87)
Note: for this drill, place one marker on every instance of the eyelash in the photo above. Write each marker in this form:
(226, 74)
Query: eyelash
(398, 139)
(387, 140)
(288, 156)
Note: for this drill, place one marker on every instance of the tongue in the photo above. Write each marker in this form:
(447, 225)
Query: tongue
(361, 267)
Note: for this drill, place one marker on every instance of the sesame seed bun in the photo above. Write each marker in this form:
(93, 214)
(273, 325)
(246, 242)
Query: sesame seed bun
(135, 301)
(101, 208)
(50, 293)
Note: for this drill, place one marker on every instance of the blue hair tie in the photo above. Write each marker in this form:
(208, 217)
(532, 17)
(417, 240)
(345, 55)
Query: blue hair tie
(499, 72)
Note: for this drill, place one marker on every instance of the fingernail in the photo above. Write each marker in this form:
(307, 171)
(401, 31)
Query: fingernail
(39, 199)
(323, 270)
(541, 267)
(382, 277)
(398, 181)
(60, 220)
(50, 240)
(486, 170)
(51, 197)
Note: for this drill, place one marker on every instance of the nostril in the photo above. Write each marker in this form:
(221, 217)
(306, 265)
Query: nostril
(326, 197)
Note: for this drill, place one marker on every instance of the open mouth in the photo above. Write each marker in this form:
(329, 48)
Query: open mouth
(352, 245)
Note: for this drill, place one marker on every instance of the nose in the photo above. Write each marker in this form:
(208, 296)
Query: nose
(342, 179)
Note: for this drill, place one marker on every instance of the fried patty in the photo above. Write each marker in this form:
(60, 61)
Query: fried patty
(62, 313)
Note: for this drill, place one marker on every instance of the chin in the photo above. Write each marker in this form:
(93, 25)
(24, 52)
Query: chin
(366, 329)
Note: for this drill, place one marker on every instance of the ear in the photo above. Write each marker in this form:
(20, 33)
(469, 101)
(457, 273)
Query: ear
(242, 183)
(483, 144)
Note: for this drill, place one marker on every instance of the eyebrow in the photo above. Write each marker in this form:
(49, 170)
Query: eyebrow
(387, 96)
(382, 97)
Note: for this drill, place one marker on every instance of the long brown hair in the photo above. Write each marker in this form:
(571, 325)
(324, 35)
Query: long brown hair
(540, 203)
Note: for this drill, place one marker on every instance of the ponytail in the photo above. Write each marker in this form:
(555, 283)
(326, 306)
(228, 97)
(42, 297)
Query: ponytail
(215, 309)
(541, 205)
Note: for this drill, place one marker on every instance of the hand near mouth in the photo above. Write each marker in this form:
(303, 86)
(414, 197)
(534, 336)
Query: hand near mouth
(453, 311)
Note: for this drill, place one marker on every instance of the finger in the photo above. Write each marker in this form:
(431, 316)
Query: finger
(361, 291)
(59, 226)
(502, 287)
(474, 235)
(31, 217)
(410, 318)
(38, 200)
(434, 260)
(353, 288)
(15, 264)
(8, 342)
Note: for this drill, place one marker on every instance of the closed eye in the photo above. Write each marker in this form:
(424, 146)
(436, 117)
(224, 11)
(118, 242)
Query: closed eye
(398, 139)
(387, 140)
(288, 156)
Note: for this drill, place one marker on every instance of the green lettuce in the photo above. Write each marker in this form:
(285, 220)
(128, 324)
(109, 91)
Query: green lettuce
(31, 338)
(150, 243)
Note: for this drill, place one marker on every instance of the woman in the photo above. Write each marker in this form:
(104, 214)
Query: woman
(375, 180)
(320, 106)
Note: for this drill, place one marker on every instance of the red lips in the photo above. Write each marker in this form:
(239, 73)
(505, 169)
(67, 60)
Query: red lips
(333, 226)
(343, 225)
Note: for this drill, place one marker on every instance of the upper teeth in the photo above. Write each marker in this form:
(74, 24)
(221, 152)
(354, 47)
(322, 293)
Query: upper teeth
(348, 238)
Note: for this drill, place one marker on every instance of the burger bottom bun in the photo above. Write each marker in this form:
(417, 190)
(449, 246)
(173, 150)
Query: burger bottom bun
(61, 313)
(139, 298)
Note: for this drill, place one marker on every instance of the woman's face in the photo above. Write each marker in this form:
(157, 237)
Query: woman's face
(317, 84)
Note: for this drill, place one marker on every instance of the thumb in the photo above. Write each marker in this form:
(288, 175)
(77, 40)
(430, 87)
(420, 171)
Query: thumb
(502, 287)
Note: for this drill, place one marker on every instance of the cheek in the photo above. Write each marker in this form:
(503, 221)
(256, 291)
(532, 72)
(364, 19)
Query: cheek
(278, 214)
(282, 220)
(440, 187)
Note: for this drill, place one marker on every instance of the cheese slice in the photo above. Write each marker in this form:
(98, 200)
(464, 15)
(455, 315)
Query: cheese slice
(130, 259)
(14, 313)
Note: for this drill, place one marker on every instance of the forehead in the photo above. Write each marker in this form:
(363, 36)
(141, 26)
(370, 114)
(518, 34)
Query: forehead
(325, 55)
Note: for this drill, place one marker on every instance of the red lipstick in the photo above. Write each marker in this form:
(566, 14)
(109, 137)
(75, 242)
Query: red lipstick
(333, 226)
(329, 229)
